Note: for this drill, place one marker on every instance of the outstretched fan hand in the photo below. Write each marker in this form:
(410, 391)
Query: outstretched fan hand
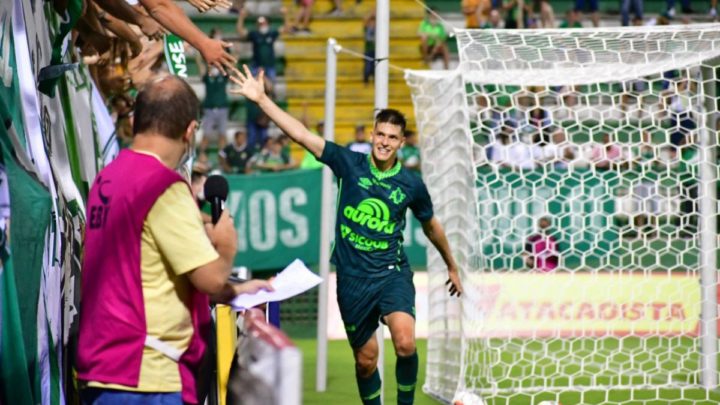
(248, 86)
(215, 54)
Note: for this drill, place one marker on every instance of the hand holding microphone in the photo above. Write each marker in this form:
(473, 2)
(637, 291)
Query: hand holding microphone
(224, 236)
(222, 233)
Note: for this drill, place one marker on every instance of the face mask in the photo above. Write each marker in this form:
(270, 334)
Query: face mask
(186, 161)
(264, 29)
(214, 71)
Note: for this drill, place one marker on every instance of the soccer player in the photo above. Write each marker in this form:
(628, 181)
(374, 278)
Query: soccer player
(374, 276)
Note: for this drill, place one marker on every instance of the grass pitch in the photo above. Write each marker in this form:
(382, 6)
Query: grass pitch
(341, 386)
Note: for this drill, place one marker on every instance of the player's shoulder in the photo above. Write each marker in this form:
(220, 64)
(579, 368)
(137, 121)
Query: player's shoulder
(411, 181)
(342, 155)
(355, 156)
(412, 177)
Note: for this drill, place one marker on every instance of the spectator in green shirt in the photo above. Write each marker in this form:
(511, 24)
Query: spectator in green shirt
(234, 158)
(494, 22)
(271, 158)
(409, 154)
(309, 160)
(571, 20)
(263, 39)
(216, 105)
(433, 39)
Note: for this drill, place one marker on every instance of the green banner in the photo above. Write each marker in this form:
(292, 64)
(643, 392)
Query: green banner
(277, 216)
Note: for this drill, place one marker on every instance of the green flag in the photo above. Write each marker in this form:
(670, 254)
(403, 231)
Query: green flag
(17, 371)
(31, 209)
(50, 75)
(15, 385)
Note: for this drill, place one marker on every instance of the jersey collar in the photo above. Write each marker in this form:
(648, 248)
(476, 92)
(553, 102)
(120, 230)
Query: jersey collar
(380, 175)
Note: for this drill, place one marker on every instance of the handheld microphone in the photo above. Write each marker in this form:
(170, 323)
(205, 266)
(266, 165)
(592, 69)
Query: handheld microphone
(216, 191)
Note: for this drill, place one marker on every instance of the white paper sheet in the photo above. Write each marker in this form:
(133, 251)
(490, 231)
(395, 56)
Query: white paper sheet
(293, 280)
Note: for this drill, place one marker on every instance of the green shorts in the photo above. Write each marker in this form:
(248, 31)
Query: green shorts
(365, 301)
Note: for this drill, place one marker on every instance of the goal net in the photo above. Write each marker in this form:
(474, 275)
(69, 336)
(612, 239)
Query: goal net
(575, 174)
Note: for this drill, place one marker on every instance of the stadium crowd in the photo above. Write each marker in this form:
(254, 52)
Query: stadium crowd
(121, 42)
(520, 129)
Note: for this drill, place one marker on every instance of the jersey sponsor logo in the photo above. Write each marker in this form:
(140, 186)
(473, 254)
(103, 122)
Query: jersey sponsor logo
(381, 184)
(371, 213)
(361, 242)
(366, 183)
(397, 196)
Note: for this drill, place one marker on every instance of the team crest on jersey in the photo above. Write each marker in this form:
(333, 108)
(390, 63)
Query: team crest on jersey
(397, 196)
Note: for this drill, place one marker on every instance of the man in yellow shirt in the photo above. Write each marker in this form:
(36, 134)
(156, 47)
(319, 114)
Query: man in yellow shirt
(150, 263)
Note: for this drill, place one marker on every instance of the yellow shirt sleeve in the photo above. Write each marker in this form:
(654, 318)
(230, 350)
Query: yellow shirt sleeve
(178, 230)
(174, 242)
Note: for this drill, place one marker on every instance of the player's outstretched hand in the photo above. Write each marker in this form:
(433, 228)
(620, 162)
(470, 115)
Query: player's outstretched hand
(454, 283)
(248, 86)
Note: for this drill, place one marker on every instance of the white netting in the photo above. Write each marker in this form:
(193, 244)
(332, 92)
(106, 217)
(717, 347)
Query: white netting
(579, 56)
(575, 174)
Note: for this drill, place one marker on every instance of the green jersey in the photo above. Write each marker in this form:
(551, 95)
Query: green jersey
(371, 212)
(435, 32)
(215, 91)
(263, 48)
(409, 155)
(566, 24)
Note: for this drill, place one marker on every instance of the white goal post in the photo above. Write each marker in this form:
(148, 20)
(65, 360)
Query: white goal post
(575, 173)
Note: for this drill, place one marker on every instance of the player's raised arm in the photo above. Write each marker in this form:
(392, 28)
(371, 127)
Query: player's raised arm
(254, 90)
(435, 233)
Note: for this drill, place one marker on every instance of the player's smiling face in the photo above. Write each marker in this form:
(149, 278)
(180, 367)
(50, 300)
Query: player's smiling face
(386, 140)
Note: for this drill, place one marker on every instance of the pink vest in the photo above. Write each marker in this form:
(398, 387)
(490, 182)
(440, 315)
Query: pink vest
(112, 316)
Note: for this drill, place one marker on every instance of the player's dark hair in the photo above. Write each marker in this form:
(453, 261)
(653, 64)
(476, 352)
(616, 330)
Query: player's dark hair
(165, 106)
(393, 117)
